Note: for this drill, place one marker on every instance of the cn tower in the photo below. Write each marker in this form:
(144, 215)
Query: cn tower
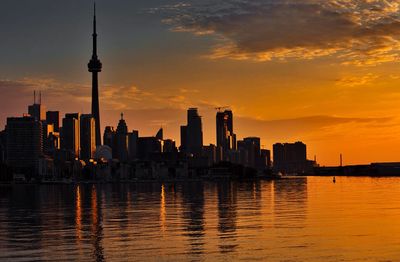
(94, 66)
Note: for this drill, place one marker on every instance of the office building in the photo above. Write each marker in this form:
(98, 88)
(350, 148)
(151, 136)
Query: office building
(87, 136)
(53, 117)
(290, 157)
(226, 139)
(24, 143)
(192, 139)
(37, 110)
(70, 133)
(120, 149)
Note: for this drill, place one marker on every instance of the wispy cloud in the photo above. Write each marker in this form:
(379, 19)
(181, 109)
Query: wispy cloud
(358, 32)
(352, 81)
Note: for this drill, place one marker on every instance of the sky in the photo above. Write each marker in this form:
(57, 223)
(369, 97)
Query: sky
(325, 72)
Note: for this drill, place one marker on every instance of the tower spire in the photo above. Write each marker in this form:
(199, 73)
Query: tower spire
(94, 31)
(94, 67)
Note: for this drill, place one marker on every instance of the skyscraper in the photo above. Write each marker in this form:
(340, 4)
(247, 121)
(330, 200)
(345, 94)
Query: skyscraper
(24, 142)
(120, 150)
(194, 131)
(226, 139)
(37, 110)
(53, 117)
(88, 137)
(94, 67)
(70, 135)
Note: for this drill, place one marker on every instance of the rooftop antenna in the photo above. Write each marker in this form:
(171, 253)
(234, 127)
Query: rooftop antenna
(341, 160)
(40, 97)
(34, 97)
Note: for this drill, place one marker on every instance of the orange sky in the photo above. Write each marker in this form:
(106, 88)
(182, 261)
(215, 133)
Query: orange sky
(323, 72)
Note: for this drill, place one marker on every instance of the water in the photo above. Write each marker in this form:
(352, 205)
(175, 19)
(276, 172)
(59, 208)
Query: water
(303, 219)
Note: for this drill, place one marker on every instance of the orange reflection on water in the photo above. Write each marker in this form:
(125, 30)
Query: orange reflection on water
(95, 218)
(78, 217)
(163, 212)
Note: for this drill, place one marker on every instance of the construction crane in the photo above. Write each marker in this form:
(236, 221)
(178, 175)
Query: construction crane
(221, 108)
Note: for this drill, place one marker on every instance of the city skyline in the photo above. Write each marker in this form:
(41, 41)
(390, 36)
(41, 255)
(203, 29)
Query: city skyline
(154, 84)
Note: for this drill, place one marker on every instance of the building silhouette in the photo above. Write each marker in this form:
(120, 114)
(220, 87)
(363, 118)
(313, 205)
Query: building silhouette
(37, 110)
(70, 133)
(291, 158)
(120, 149)
(192, 133)
(87, 136)
(133, 144)
(226, 139)
(53, 117)
(24, 142)
(94, 66)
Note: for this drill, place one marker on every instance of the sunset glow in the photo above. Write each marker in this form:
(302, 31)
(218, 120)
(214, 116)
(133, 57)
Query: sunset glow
(323, 72)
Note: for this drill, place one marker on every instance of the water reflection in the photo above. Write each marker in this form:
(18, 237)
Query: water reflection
(193, 215)
(290, 202)
(227, 216)
(163, 211)
(219, 221)
(96, 226)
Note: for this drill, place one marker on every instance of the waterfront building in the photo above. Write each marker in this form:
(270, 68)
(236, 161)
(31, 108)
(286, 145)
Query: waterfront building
(70, 135)
(192, 134)
(290, 157)
(87, 136)
(226, 139)
(24, 143)
(120, 149)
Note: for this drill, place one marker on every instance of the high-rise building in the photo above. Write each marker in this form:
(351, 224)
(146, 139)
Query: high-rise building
(70, 133)
(266, 157)
(253, 147)
(94, 66)
(24, 142)
(53, 117)
(194, 132)
(37, 110)
(120, 150)
(226, 139)
(108, 137)
(133, 144)
(290, 157)
(87, 136)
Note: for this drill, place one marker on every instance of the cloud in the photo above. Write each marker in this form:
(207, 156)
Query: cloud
(352, 81)
(358, 32)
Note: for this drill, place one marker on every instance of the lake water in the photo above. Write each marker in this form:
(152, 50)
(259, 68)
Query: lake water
(302, 219)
